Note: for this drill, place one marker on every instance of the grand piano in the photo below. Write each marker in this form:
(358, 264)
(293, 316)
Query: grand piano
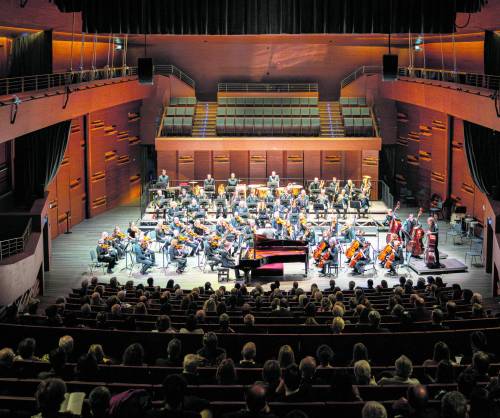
(266, 251)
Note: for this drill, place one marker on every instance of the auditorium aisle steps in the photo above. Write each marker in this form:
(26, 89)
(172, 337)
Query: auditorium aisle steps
(204, 119)
(331, 119)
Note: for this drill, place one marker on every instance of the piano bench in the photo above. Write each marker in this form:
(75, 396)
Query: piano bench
(222, 274)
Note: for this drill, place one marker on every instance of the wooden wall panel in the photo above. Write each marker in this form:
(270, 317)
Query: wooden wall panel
(167, 160)
(221, 165)
(185, 164)
(294, 165)
(202, 164)
(312, 164)
(331, 164)
(274, 162)
(352, 165)
(257, 166)
(239, 164)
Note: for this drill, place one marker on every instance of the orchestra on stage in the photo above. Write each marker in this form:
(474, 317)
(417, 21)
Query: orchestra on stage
(228, 225)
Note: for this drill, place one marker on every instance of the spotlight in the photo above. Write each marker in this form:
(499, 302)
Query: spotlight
(118, 47)
(418, 48)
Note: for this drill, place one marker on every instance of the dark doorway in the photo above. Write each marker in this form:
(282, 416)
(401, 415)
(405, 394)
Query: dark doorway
(46, 244)
(489, 248)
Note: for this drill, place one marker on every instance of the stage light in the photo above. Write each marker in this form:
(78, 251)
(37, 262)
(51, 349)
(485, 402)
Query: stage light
(419, 41)
(418, 48)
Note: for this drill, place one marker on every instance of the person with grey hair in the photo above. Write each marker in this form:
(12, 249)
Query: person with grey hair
(363, 373)
(99, 402)
(454, 405)
(373, 409)
(402, 376)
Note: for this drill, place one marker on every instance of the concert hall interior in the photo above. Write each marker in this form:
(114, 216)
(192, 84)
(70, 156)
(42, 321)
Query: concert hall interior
(312, 164)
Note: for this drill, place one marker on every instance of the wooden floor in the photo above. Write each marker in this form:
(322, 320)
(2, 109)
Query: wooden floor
(71, 257)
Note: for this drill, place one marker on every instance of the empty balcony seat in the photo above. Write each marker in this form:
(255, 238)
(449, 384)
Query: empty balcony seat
(268, 126)
(315, 126)
(364, 111)
(220, 125)
(287, 126)
(305, 126)
(230, 111)
(171, 111)
(221, 111)
(344, 101)
(258, 126)
(277, 126)
(174, 101)
(187, 125)
(314, 111)
(304, 111)
(295, 101)
(361, 101)
(239, 125)
(346, 111)
(296, 126)
(249, 130)
(222, 101)
(229, 129)
(355, 111)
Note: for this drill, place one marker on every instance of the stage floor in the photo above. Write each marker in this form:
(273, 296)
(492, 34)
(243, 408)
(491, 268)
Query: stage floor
(71, 257)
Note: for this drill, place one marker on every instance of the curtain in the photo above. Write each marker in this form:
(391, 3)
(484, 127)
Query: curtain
(236, 17)
(31, 54)
(38, 156)
(491, 53)
(482, 149)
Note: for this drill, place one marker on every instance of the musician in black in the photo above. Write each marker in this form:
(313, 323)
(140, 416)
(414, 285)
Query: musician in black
(341, 203)
(333, 188)
(434, 230)
(104, 255)
(303, 200)
(221, 204)
(407, 227)
(333, 255)
(364, 204)
(232, 182)
(209, 185)
(173, 211)
(193, 207)
(349, 188)
(252, 200)
(142, 256)
(314, 187)
(273, 180)
(163, 232)
(227, 260)
(391, 214)
(359, 267)
(398, 257)
(212, 253)
(163, 179)
(321, 203)
(176, 256)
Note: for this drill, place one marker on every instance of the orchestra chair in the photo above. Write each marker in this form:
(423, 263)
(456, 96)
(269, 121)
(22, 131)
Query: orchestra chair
(222, 274)
(455, 231)
(134, 263)
(165, 257)
(475, 252)
(334, 267)
(94, 263)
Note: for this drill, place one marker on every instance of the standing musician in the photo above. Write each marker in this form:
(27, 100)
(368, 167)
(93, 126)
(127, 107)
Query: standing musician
(176, 256)
(434, 230)
(364, 204)
(209, 186)
(407, 228)
(362, 258)
(106, 253)
(163, 179)
(349, 188)
(330, 256)
(395, 258)
(391, 214)
(232, 182)
(366, 185)
(273, 180)
(143, 255)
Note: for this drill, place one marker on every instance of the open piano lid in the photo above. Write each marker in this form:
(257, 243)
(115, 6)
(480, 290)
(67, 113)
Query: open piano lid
(261, 241)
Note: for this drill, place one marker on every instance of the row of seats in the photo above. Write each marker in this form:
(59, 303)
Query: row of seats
(183, 101)
(358, 126)
(267, 101)
(268, 126)
(180, 111)
(268, 111)
(352, 101)
(178, 125)
(355, 111)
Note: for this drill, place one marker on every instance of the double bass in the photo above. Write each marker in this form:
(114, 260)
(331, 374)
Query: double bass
(416, 244)
(395, 224)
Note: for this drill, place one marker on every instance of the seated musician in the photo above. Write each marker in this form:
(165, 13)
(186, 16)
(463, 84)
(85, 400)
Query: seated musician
(209, 185)
(235, 200)
(227, 260)
(143, 256)
(106, 253)
(273, 180)
(348, 232)
(184, 197)
(163, 232)
(314, 187)
(220, 226)
(190, 245)
(119, 242)
(174, 210)
(221, 203)
(163, 179)
(332, 257)
(252, 200)
(364, 258)
(364, 204)
(407, 228)
(278, 207)
(177, 225)
(333, 188)
(242, 209)
(193, 207)
(159, 202)
(286, 197)
(334, 226)
(232, 182)
(262, 214)
(397, 250)
(349, 187)
(321, 203)
(277, 223)
(212, 252)
(199, 228)
(389, 217)
(176, 256)
(248, 232)
(269, 200)
(303, 200)
(341, 203)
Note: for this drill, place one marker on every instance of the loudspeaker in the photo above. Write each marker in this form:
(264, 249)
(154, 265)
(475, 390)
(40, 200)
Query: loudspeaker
(145, 70)
(390, 67)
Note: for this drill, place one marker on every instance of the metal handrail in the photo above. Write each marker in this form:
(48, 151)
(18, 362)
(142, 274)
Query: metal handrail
(267, 87)
(12, 246)
(33, 83)
(486, 81)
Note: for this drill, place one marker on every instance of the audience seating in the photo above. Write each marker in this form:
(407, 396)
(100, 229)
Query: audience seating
(179, 116)
(356, 115)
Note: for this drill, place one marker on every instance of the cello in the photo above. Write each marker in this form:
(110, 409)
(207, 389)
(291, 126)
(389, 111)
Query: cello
(319, 250)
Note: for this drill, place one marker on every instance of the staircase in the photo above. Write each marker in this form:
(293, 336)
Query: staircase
(331, 119)
(204, 119)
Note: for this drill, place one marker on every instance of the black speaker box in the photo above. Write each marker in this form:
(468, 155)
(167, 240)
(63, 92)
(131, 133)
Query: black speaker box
(145, 70)
(390, 67)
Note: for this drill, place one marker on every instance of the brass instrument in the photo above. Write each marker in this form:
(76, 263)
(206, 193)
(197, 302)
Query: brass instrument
(196, 190)
(280, 221)
(321, 184)
(120, 235)
(221, 189)
(239, 219)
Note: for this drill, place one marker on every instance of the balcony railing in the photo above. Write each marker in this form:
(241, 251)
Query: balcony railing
(485, 81)
(267, 87)
(42, 82)
(13, 246)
